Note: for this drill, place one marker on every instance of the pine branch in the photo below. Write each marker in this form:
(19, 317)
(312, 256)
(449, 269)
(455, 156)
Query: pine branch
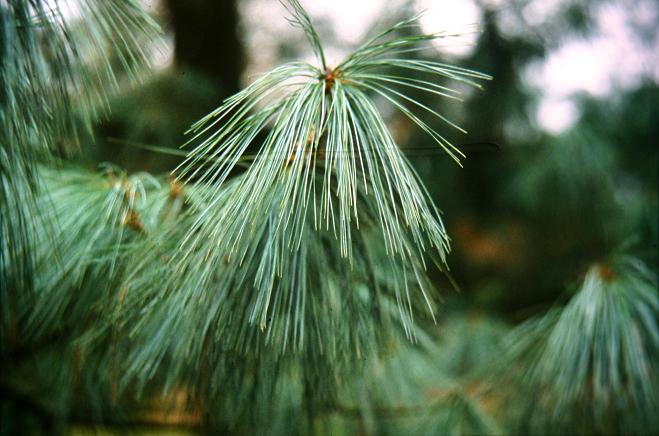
(313, 256)
(92, 219)
(591, 365)
(311, 303)
(45, 75)
(48, 89)
(280, 283)
(328, 159)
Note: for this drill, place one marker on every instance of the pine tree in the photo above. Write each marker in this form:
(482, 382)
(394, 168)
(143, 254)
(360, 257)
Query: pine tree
(278, 280)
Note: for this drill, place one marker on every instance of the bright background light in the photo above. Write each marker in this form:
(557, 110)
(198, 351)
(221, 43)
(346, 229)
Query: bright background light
(612, 58)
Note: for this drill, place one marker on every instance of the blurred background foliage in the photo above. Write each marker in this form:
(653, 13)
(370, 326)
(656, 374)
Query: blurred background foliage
(559, 176)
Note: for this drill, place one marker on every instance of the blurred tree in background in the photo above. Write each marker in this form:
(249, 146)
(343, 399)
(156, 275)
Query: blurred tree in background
(125, 306)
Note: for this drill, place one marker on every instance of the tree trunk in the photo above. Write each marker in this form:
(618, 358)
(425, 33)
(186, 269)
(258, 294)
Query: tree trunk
(206, 39)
